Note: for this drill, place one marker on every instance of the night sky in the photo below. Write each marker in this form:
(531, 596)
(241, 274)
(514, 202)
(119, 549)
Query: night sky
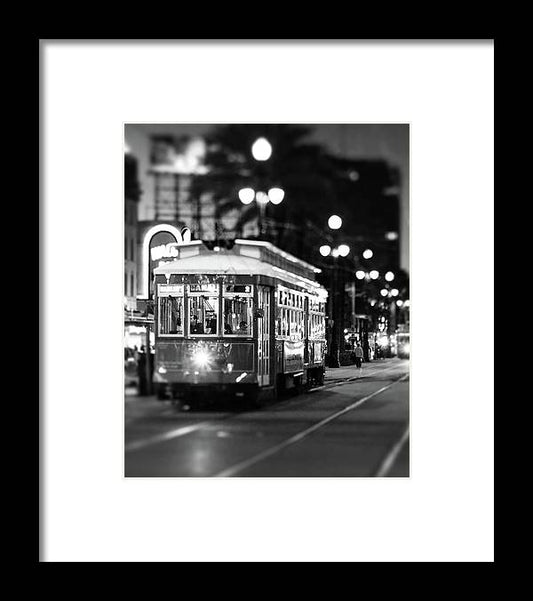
(358, 141)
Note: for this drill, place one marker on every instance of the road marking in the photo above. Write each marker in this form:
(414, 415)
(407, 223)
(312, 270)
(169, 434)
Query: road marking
(239, 467)
(140, 444)
(389, 460)
(184, 430)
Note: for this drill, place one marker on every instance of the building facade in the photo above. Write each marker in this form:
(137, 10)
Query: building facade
(131, 201)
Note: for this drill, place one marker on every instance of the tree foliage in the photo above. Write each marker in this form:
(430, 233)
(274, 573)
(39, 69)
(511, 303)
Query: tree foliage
(301, 168)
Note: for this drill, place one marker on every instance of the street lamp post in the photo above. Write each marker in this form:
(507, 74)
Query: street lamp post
(336, 304)
(368, 276)
(261, 151)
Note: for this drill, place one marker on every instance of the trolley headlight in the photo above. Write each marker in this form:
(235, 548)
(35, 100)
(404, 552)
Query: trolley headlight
(201, 358)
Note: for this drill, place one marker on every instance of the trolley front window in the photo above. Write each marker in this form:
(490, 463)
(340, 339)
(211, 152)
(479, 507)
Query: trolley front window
(203, 315)
(170, 310)
(238, 315)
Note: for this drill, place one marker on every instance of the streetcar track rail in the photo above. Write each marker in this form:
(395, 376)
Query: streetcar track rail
(390, 458)
(207, 424)
(242, 465)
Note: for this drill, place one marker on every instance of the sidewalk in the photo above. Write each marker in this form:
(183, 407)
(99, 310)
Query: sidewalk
(334, 374)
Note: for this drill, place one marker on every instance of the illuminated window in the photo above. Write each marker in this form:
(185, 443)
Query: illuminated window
(170, 316)
(203, 313)
(238, 315)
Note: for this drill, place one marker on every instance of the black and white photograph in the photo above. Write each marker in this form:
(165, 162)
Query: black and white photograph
(266, 300)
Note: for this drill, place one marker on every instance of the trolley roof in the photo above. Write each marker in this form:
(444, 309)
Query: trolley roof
(247, 257)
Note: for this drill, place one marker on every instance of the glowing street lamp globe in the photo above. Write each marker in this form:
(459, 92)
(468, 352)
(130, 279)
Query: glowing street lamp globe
(374, 274)
(276, 195)
(395, 292)
(246, 195)
(360, 275)
(368, 254)
(325, 250)
(344, 250)
(384, 292)
(261, 149)
(334, 222)
(389, 276)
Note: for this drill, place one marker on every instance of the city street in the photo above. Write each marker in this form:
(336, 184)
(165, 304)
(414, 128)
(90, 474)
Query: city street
(350, 427)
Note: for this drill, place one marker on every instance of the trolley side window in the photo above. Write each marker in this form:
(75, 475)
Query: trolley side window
(170, 310)
(238, 315)
(317, 325)
(203, 314)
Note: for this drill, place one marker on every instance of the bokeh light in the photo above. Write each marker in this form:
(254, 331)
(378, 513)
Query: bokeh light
(334, 222)
(246, 195)
(276, 195)
(261, 149)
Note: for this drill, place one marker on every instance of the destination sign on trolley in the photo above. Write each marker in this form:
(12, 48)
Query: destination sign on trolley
(170, 289)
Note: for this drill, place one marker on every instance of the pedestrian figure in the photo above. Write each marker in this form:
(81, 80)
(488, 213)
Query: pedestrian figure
(141, 372)
(359, 358)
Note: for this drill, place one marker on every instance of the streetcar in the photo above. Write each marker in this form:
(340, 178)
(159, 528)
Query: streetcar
(403, 345)
(242, 322)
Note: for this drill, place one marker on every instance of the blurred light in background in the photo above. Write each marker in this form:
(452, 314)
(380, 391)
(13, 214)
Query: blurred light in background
(395, 292)
(335, 252)
(334, 222)
(261, 197)
(246, 195)
(368, 254)
(344, 250)
(389, 276)
(406, 303)
(276, 195)
(261, 149)
(391, 235)
(399, 302)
